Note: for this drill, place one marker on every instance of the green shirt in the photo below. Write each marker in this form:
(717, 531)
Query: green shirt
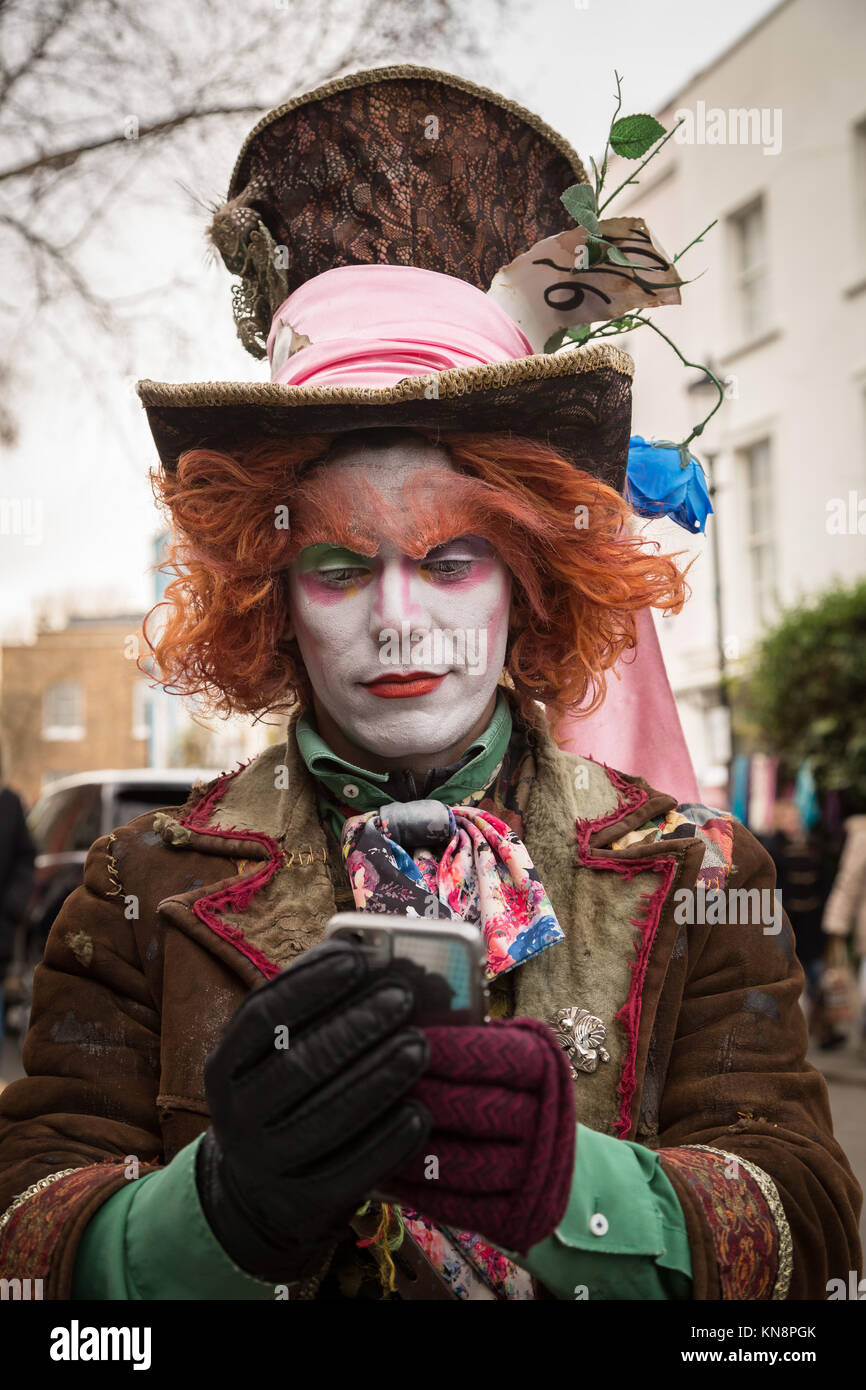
(623, 1235)
(151, 1240)
(342, 784)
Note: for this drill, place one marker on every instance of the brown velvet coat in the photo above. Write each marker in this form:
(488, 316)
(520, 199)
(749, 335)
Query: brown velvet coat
(183, 912)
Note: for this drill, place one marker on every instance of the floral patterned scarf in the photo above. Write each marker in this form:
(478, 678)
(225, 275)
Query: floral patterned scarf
(484, 876)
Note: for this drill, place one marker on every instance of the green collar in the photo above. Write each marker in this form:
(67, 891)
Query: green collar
(356, 790)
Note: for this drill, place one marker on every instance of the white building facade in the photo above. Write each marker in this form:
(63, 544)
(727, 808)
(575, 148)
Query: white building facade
(773, 145)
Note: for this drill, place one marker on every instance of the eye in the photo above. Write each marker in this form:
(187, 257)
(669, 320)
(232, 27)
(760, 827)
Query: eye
(333, 566)
(343, 577)
(452, 568)
(454, 560)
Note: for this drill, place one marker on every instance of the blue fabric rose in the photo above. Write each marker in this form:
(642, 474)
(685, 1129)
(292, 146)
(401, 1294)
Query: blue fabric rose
(664, 479)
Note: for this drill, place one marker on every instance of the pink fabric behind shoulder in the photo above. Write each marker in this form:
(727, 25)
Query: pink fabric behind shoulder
(637, 730)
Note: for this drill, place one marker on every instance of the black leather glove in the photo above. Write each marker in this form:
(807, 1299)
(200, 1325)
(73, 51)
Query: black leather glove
(300, 1135)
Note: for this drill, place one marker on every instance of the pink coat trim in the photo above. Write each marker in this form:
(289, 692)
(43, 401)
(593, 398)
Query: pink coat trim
(629, 1015)
(236, 896)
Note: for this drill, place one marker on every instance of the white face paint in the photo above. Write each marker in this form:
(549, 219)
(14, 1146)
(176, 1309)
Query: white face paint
(403, 653)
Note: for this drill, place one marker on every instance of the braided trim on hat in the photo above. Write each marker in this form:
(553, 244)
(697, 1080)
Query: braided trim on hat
(456, 381)
(410, 70)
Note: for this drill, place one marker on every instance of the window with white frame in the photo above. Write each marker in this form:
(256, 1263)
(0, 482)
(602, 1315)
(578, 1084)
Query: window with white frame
(750, 266)
(760, 537)
(63, 711)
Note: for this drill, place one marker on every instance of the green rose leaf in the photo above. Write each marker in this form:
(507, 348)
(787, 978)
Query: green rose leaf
(555, 341)
(579, 195)
(588, 220)
(616, 256)
(580, 202)
(632, 136)
(579, 332)
(595, 250)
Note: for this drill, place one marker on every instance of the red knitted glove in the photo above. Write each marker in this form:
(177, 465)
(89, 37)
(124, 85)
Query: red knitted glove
(502, 1100)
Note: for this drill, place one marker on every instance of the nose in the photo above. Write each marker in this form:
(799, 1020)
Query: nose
(399, 597)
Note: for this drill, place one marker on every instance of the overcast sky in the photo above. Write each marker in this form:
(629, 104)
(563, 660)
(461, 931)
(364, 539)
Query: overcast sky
(80, 467)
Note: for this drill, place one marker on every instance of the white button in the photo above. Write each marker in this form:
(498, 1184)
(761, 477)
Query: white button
(598, 1224)
(350, 790)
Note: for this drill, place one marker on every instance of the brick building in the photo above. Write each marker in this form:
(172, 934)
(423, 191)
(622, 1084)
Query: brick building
(71, 701)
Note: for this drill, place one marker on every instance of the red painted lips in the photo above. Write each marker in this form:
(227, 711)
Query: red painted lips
(404, 687)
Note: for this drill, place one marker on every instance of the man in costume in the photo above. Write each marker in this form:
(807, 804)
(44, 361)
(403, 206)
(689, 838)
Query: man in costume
(414, 537)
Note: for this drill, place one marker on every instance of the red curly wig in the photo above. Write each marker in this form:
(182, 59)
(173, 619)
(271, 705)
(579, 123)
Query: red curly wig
(238, 521)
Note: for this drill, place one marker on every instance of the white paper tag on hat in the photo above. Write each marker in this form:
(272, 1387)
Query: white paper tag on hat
(551, 286)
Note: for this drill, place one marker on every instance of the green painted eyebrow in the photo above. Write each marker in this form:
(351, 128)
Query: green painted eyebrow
(326, 556)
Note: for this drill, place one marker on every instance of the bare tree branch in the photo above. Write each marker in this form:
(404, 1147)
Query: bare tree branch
(51, 26)
(62, 159)
(109, 108)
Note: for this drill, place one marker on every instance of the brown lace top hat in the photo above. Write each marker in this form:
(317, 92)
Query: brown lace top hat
(367, 221)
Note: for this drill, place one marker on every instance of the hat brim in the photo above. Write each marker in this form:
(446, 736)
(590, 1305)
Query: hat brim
(579, 401)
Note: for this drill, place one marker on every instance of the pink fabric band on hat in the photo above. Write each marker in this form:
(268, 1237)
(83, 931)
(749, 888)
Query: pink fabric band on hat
(373, 325)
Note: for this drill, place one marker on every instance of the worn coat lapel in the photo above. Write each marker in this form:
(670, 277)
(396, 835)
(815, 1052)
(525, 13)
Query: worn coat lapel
(611, 905)
(278, 898)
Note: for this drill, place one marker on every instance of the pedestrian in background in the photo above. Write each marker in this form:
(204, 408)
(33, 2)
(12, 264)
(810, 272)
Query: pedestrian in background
(846, 908)
(803, 879)
(17, 855)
